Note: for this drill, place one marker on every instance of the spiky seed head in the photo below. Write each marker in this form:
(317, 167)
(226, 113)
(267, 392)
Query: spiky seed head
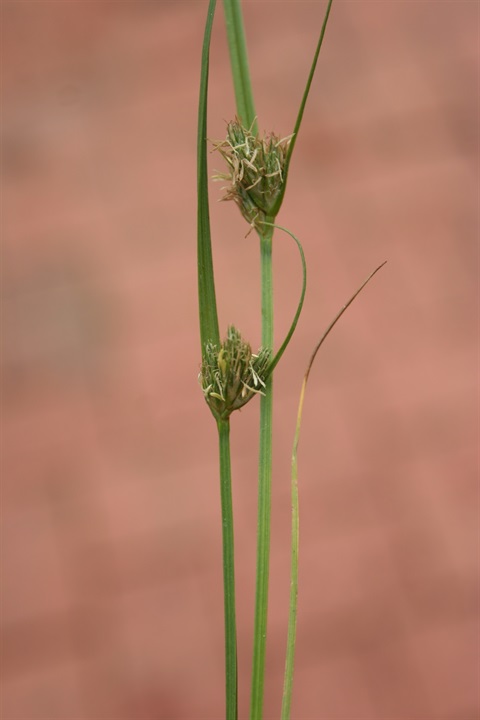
(255, 170)
(231, 374)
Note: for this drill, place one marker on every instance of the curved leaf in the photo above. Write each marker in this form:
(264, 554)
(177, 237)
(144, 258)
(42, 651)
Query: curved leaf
(298, 311)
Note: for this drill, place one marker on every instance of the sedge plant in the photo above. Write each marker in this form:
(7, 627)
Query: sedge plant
(232, 374)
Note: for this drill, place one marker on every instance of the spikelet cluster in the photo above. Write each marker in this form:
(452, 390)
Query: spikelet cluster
(231, 375)
(255, 170)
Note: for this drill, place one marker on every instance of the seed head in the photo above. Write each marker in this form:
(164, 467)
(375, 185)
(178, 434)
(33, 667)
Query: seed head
(231, 375)
(255, 170)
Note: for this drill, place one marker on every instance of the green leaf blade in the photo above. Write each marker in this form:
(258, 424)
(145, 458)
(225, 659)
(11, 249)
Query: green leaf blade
(239, 62)
(303, 104)
(207, 303)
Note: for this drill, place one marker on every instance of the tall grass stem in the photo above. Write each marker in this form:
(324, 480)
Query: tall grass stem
(231, 673)
(239, 61)
(264, 487)
(209, 333)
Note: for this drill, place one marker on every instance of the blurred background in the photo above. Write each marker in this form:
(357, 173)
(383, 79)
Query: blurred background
(112, 586)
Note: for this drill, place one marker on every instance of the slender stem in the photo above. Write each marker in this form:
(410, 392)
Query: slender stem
(267, 283)
(239, 62)
(264, 489)
(228, 571)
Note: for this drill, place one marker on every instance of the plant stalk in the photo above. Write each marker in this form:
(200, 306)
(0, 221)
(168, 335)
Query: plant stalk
(264, 487)
(231, 674)
(239, 62)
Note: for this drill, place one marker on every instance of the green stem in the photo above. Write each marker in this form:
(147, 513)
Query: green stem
(264, 488)
(228, 571)
(239, 62)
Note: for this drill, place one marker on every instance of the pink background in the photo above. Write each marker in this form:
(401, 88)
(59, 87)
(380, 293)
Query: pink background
(112, 586)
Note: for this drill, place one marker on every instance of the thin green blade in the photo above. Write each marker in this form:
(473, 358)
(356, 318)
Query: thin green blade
(207, 303)
(239, 62)
(303, 104)
(298, 311)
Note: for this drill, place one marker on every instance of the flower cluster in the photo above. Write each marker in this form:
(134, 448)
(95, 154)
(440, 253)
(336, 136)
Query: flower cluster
(231, 375)
(256, 170)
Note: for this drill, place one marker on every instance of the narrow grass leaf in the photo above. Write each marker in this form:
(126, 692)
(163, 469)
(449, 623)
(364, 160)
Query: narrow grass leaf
(302, 105)
(207, 303)
(239, 62)
(298, 311)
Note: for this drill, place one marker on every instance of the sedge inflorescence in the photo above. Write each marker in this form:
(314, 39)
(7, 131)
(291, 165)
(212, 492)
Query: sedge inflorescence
(231, 374)
(256, 170)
